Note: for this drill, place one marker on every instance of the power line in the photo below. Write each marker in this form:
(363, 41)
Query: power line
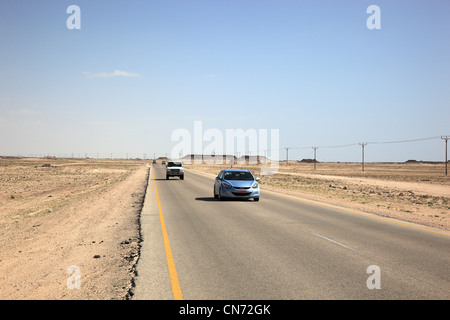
(373, 142)
(404, 141)
(339, 146)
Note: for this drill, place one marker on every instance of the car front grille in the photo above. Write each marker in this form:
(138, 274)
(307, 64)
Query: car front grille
(241, 193)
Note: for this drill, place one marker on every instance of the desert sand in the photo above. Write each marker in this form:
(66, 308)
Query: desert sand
(59, 217)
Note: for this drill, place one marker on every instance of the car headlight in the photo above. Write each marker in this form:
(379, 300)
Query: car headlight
(255, 185)
(226, 185)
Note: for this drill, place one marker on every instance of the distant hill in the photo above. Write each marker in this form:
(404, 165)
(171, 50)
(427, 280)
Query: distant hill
(225, 158)
(309, 161)
(427, 162)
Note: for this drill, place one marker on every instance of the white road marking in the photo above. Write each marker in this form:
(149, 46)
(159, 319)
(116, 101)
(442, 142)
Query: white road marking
(343, 245)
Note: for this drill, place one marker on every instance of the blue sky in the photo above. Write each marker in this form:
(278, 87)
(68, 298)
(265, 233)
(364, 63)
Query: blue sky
(138, 70)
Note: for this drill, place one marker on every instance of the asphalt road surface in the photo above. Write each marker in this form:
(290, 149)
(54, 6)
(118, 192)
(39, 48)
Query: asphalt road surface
(282, 247)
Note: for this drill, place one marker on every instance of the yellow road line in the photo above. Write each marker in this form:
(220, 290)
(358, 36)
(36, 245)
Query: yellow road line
(353, 212)
(176, 289)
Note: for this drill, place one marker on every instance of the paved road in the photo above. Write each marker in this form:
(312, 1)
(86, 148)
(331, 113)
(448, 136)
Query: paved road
(196, 247)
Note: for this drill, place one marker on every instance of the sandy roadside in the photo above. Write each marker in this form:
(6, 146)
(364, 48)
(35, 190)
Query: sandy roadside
(418, 188)
(94, 235)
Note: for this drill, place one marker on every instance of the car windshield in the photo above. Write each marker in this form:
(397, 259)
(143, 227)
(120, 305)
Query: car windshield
(238, 175)
(174, 164)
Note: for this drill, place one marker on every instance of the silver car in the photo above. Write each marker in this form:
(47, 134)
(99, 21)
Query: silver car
(235, 183)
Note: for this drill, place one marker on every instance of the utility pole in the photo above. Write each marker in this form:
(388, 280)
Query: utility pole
(362, 144)
(446, 139)
(315, 148)
(287, 156)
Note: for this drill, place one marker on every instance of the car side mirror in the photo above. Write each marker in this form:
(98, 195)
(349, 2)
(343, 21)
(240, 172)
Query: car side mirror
(257, 179)
(217, 178)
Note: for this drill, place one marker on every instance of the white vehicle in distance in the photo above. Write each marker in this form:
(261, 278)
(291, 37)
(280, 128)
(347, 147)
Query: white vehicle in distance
(174, 169)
